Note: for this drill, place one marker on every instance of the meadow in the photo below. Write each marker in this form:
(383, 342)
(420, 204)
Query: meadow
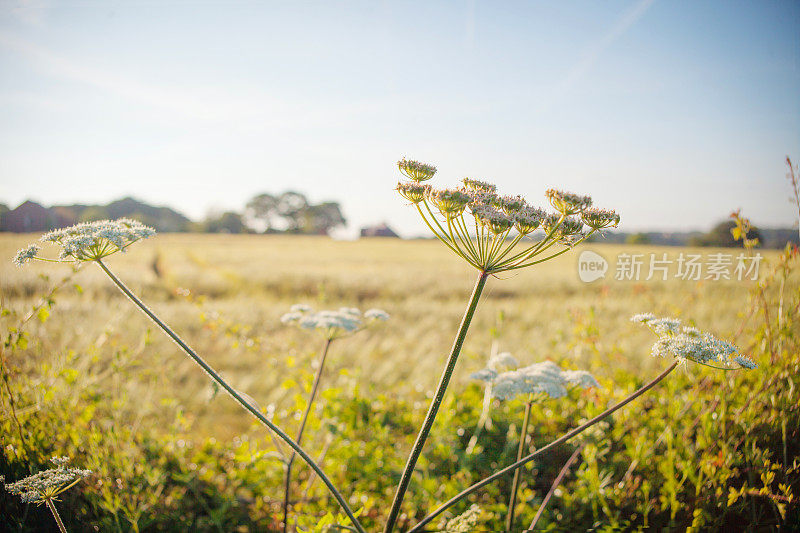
(93, 380)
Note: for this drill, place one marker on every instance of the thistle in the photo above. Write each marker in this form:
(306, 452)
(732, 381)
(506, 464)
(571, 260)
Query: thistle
(45, 487)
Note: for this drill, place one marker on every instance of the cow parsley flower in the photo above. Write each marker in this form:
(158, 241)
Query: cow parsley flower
(690, 344)
(90, 241)
(332, 324)
(48, 484)
(416, 171)
(539, 378)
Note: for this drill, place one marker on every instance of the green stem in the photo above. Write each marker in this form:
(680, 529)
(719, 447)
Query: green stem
(405, 479)
(299, 439)
(523, 438)
(466, 492)
(52, 508)
(236, 396)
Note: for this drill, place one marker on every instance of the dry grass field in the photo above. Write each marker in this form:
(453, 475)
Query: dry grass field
(225, 294)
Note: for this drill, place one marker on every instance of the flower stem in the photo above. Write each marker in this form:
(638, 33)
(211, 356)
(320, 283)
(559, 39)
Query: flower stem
(523, 438)
(236, 395)
(466, 492)
(556, 482)
(300, 434)
(52, 508)
(405, 479)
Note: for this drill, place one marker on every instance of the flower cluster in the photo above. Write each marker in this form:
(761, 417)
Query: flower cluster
(484, 227)
(89, 241)
(49, 483)
(690, 344)
(333, 324)
(539, 378)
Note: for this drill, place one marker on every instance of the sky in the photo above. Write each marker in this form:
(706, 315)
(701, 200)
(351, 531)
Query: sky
(673, 113)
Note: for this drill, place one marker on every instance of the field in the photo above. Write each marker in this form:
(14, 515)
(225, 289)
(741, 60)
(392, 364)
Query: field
(93, 358)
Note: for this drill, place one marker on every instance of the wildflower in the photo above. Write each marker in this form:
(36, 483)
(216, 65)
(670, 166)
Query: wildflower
(465, 522)
(416, 171)
(412, 191)
(332, 324)
(26, 254)
(451, 202)
(502, 359)
(568, 203)
(479, 186)
(452, 213)
(90, 241)
(599, 218)
(539, 378)
(48, 484)
(690, 344)
(376, 314)
(300, 308)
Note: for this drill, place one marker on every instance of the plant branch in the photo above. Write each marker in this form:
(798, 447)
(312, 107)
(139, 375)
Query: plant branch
(466, 492)
(405, 479)
(235, 394)
(523, 438)
(556, 482)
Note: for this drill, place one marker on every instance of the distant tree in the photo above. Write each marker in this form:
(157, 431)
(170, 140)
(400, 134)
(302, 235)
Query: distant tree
(227, 222)
(321, 219)
(721, 236)
(292, 208)
(263, 210)
(637, 238)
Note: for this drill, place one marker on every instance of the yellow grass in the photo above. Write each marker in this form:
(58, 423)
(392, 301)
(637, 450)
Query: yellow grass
(241, 285)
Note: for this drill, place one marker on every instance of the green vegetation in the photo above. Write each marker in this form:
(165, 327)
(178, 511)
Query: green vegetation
(92, 380)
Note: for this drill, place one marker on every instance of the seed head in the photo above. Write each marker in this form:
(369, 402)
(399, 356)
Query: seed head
(49, 483)
(477, 185)
(451, 202)
(492, 219)
(528, 219)
(511, 205)
(568, 203)
(416, 171)
(600, 218)
(413, 191)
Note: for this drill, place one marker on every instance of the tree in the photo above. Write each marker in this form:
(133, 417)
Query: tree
(321, 219)
(227, 222)
(262, 209)
(292, 207)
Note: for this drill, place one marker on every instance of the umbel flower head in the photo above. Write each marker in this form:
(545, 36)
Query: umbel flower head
(690, 344)
(333, 324)
(89, 241)
(494, 233)
(545, 379)
(49, 483)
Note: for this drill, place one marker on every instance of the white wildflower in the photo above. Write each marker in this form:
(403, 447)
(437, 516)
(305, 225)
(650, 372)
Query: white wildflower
(300, 308)
(376, 314)
(49, 483)
(539, 378)
(503, 359)
(465, 522)
(26, 254)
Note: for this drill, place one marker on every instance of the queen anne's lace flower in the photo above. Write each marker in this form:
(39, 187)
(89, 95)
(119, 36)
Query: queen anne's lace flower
(690, 344)
(49, 483)
(90, 241)
(332, 324)
(539, 378)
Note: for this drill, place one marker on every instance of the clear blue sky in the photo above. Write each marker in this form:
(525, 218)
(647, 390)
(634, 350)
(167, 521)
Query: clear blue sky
(672, 112)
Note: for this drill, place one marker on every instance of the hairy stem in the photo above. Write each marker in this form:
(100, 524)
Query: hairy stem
(463, 494)
(405, 479)
(299, 439)
(235, 394)
(523, 438)
(556, 483)
(52, 508)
